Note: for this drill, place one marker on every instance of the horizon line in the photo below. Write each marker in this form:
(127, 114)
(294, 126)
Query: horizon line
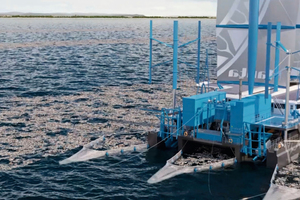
(13, 13)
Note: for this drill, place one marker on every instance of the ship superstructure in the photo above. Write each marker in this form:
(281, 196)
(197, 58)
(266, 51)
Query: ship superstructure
(253, 107)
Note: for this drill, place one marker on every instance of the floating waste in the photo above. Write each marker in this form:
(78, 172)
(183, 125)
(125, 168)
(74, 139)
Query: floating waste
(199, 161)
(289, 176)
(285, 183)
(52, 125)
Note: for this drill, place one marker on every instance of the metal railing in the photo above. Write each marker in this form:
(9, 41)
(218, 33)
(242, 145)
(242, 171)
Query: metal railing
(170, 123)
(261, 140)
(278, 105)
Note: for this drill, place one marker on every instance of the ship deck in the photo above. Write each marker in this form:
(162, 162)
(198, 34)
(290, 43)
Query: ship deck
(232, 91)
(276, 122)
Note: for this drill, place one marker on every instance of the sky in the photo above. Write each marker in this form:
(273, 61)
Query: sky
(145, 7)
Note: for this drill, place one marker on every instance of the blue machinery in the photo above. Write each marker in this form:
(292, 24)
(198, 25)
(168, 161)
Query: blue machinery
(209, 117)
(247, 123)
(202, 74)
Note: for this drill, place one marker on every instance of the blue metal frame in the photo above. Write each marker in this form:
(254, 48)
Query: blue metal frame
(207, 68)
(277, 74)
(220, 86)
(175, 48)
(163, 63)
(277, 56)
(175, 54)
(294, 68)
(292, 123)
(167, 118)
(268, 58)
(169, 130)
(198, 52)
(295, 52)
(282, 46)
(252, 43)
(150, 61)
(163, 43)
(298, 87)
(260, 26)
(246, 82)
(204, 74)
(248, 149)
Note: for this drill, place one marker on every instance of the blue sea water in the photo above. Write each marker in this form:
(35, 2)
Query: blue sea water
(46, 57)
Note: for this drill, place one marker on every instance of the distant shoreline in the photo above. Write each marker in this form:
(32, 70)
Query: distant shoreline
(126, 17)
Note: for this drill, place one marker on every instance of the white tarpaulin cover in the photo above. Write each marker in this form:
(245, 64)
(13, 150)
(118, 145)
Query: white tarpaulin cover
(232, 37)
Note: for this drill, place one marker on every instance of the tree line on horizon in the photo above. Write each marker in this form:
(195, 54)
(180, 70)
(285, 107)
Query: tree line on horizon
(105, 16)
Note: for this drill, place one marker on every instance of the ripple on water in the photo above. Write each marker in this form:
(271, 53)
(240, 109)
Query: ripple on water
(97, 120)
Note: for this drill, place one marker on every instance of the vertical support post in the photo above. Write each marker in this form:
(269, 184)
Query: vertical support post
(268, 58)
(240, 88)
(287, 96)
(175, 61)
(298, 87)
(168, 126)
(178, 122)
(252, 42)
(198, 52)
(250, 141)
(277, 56)
(150, 61)
(264, 141)
(206, 68)
(259, 141)
(207, 117)
(162, 123)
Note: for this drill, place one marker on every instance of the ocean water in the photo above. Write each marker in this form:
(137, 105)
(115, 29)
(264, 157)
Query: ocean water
(51, 57)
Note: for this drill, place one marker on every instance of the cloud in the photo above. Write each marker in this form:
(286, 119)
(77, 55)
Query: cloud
(151, 7)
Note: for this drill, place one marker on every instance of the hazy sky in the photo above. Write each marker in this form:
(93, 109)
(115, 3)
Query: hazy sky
(146, 7)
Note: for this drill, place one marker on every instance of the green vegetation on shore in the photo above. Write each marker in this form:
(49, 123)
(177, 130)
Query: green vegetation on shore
(105, 16)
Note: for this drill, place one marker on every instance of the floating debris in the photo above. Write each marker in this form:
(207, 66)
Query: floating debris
(202, 156)
(289, 176)
(51, 125)
(178, 165)
(199, 159)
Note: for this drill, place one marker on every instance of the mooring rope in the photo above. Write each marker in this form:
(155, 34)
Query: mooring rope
(230, 146)
(209, 189)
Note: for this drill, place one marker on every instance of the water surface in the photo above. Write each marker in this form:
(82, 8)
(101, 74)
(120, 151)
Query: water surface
(52, 57)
